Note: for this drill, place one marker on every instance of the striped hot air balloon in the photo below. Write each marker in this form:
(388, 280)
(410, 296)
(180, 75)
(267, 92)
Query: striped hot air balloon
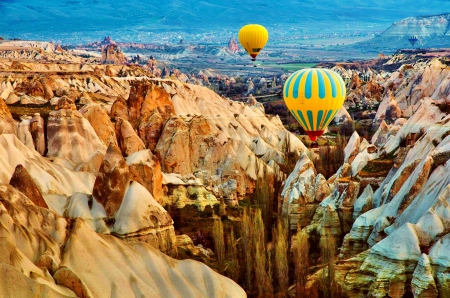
(314, 96)
(253, 38)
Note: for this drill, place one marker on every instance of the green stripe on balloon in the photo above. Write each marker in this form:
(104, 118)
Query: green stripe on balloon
(295, 116)
(319, 119)
(310, 118)
(321, 84)
(327, 117)
(332, 117)
(297, 84)
(303, 121)
(333, 84)
(308, 85)
(286, 87)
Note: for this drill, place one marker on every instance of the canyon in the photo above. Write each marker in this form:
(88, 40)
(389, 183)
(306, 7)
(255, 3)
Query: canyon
(110, 173)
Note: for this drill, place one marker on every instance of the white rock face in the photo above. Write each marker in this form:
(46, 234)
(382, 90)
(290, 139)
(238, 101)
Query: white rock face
(62, 181)
(361, 160)
(352, 148)
(23, 132)
(426, 115)
(91, 265)
(342, 115)
(401, 245)
(406, 233)
(423, 283)
(364, 201)
(84, 206)
(139, 210)
(71, 136)
(149, 271)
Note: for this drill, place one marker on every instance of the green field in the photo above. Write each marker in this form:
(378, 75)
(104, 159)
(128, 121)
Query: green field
(288, 66)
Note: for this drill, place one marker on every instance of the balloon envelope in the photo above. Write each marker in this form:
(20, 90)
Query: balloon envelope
(314, 96)
(253, 38)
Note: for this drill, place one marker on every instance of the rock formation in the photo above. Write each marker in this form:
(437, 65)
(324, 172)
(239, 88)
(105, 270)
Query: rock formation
(23, 131)
(146, 169)
(112, 54)
(395, 227)
(69, 135)
(7, 124)
(101, 123)
(22, 181)
(120, 144)
(112, 180)
(127, 138)
(37, 130)
(62, 273)
(232, 45)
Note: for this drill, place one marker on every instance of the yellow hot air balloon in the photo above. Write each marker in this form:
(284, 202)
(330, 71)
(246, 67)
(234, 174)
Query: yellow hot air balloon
(314, 96)
(253, 38)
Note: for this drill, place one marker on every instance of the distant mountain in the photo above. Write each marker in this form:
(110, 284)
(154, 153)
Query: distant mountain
(138, 20)
(430, 31)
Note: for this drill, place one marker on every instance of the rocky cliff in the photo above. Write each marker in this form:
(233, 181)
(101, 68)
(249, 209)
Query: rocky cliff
(90, 154)
(392, 197)
(107, 145)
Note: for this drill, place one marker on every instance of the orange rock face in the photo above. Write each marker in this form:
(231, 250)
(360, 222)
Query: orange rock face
(150, 129)
(7, 124)
(23, 182)
(127, 139)
(112, 54)
(145, 98)
(112, 181)
(101, 123)
(147, 172)
(120, 109)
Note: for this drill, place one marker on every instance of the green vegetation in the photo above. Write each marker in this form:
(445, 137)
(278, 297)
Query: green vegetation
(266, 268)
(301, 262)
(233, 269)
(263, 195)
(327, 250)
(247, 249)
(219, 244)
(380, 166)
(281, 261)
(288, 66)
(262, 280)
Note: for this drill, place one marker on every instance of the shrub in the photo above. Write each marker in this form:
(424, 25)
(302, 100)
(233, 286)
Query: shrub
(281, 260)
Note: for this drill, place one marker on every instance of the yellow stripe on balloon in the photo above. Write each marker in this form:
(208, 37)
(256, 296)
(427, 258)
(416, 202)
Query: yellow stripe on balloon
(301, 91)
(327, 82)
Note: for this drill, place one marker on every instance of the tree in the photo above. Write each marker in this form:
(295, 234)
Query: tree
(262, 281)
(327, 249)
(233, 269)
(301, 261)
(247, 249)
(281, 260)
(219, 244)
